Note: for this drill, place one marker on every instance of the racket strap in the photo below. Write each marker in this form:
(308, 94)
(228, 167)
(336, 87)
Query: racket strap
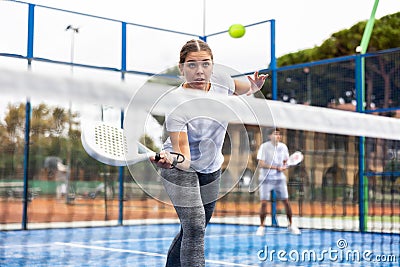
(178, 159)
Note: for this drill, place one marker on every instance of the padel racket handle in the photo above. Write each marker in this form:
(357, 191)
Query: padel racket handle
(179, 158)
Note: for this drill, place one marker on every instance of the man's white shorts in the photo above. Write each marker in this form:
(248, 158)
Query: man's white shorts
(279, 186)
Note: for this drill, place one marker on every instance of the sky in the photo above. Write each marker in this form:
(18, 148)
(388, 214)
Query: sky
(300, 24)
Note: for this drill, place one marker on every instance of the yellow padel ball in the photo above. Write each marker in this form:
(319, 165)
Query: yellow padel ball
(236, 30)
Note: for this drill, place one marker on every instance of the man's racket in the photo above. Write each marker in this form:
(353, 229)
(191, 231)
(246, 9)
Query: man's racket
(108, 144)
(295, 159)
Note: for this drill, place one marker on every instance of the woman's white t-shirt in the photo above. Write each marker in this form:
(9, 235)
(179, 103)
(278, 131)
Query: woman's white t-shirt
(206, 135)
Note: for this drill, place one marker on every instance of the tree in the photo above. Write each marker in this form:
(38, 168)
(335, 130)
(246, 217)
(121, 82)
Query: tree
(149, 142)
(379, 69)
(48, 136)
(14, 126)
(385, 35)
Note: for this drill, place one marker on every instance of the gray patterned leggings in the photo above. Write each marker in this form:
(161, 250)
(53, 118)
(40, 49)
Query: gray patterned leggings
(194, 196)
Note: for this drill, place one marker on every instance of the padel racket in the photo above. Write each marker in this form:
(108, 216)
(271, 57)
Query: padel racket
(108, 144)
(295, 159)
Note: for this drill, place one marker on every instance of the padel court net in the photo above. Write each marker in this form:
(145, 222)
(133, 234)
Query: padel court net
(79, 212)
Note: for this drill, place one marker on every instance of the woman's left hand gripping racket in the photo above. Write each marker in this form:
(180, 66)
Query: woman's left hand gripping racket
(295, 159)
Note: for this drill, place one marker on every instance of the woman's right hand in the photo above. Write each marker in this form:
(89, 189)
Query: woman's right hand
(164, 161)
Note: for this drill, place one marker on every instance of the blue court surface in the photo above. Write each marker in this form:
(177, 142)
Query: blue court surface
(226, 245)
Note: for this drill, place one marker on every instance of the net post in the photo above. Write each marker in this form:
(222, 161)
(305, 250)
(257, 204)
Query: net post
(26, 164)
(273, 62)
(274, 97)
(273, 209)
(363, 193)
(121, 184)
(360, 95)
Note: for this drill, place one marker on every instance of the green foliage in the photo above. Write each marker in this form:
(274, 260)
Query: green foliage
(392, 166)
(385, 35)
(328, 82)
(54, 132)
(149, 142)
(168, 77)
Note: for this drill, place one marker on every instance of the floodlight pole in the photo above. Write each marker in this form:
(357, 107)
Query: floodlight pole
(204, 17)
(204, 37)
(74, 30)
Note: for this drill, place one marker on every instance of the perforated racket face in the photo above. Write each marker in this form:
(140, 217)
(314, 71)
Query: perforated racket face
(110, 140)
(105, 143)
(295, 158)
(109, 145)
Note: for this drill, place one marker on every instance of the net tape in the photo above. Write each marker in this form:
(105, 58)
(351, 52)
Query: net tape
(30, 85)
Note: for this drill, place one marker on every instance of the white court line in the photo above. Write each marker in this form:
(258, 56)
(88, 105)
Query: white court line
(40, 245)
(146, 253)
(132, 240)
(171, 238)
(163, 238)
(110, 249)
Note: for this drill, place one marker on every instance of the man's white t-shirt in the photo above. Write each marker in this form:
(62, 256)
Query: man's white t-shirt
(274, 156)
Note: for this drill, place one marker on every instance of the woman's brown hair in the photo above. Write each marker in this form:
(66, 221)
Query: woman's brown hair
(193, 46)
